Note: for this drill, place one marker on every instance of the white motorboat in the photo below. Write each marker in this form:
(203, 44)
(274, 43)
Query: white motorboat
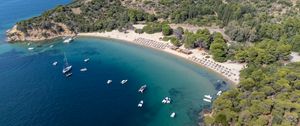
(28, 43)
(55, 63)
(109, 81)
(143, 88)
(30, 48)
(86, 60)
(51, 46)
(173, 114)
(68, 74)
(67, 67)
(123, 81)
(207, 100)
(166, 100)
(219, 93)
(83, 69)
(68, 40)
(208, 96)
(140, 105)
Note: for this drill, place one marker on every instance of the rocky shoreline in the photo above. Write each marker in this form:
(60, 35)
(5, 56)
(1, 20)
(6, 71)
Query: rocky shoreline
(38, 34)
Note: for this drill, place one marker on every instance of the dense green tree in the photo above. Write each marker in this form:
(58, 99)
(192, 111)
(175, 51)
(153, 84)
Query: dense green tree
(219, 48)
(166, 30)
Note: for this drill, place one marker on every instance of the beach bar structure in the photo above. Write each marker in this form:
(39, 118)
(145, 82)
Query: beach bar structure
(186, 51)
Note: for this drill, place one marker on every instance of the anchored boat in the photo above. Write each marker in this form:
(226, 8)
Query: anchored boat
(140, 105)
(143, 88)
(173, 114)
(67, 67)
(123, 81)
(109, 81)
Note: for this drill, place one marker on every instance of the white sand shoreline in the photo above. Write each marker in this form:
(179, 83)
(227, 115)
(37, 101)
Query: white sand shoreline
(229, 71)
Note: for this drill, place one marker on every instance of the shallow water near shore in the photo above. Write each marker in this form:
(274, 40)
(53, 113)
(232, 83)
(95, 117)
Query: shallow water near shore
(35, 93)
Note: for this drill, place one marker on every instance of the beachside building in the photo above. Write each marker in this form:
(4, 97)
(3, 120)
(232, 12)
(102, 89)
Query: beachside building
(186, 51)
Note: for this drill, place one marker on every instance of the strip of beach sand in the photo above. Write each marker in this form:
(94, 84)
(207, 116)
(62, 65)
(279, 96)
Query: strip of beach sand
(229, 70)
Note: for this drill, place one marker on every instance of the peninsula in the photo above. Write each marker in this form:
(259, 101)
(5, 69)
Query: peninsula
(248, 42)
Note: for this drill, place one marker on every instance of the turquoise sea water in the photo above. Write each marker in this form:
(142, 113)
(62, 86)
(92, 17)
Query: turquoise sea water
(35, 93)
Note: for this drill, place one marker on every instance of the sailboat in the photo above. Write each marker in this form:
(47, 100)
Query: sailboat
(67, 67)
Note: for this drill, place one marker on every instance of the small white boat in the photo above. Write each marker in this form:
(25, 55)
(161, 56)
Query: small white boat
(68, 40)
(123, 81)
(166, 100)
(143, 88)
(219, 93)
(140, 105)
(86, 60)
(28, 43)
(30, 48)
(83, 69)
(173, 115)
(51, 46)
(208, 96)
(68, 74)
(207, 100)
(67, 67)
(109, 81)
(55, 63)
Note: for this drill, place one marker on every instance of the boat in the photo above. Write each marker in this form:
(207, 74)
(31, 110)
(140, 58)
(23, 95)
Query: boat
(68, 74)
(68, 40)
(67, 67)
(55, 63)
(123, 81)
(140, 105)
(30, 48)
(28, 43)
(83, 69)
(208, 96)
(109, 81)
(207, 100)
(143, 88)
(219, 93)
(51, 46)
(173, 115)
(166, 100)
(86, 60)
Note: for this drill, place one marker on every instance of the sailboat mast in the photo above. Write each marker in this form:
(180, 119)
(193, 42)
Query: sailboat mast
(66, 60)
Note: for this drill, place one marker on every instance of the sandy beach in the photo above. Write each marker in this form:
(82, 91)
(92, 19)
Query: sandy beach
(229, 70)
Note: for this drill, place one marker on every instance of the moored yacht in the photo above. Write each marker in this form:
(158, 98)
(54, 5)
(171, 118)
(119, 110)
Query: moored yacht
(143, 88)
(86, 60)
(124, 81)
(140, 105)
(166, 100)
(208, 96)
(30, 48)
(67, 67)
(173, 114)
(207, 100)
(68, 40)
(83, 69)
(109, 81)
(51, 46)
(68, 74)
(55, 63)
(219, 93)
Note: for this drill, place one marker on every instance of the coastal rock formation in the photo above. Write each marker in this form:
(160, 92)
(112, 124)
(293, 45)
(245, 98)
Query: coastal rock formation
(38, 33)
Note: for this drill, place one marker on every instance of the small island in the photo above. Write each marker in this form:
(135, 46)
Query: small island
(254, 44)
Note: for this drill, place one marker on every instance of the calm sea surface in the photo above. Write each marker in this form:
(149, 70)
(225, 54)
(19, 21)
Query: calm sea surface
(35, 93)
